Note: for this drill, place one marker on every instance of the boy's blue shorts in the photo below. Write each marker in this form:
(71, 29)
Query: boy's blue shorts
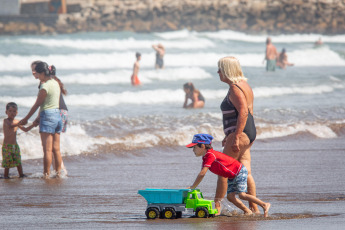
(50, 121)
(239, 183)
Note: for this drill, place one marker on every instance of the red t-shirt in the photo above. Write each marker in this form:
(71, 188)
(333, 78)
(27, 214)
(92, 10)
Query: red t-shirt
(221, 164)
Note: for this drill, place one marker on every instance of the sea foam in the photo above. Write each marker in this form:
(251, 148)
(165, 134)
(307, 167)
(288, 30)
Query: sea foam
(283, 38)
(118, 44)
(85, 138)
(169, 96)
(115, 60)
(113, 77)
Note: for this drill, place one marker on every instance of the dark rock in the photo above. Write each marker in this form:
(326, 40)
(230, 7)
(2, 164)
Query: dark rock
(251, 16)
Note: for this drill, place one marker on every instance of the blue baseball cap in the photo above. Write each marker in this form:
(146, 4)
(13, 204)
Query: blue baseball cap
(200, 139)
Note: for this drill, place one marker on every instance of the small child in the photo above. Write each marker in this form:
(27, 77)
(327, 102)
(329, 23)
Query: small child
(226, 166)
(134, 78)
(10, 150)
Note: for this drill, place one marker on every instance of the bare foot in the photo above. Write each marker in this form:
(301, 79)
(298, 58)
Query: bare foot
(255, 212)
(46, 176)
(248, 213)
(218, 213)
(217, 204)
(266, 207)
(254, 209)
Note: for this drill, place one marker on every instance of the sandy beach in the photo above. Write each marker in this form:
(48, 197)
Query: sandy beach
(306, 190)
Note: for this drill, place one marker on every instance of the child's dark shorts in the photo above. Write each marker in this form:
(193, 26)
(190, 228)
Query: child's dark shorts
(239, 183)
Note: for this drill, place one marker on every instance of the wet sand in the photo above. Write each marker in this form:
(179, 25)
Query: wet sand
(301, 178)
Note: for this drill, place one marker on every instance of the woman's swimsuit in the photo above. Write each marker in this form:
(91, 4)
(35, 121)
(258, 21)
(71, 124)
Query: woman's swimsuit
(159, 60)
(201, 97)
(230, 115)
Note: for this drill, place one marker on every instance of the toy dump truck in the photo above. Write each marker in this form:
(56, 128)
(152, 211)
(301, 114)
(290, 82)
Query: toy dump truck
(170, 203)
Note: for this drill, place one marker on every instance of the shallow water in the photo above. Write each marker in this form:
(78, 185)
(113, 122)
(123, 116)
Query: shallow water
(106, 113)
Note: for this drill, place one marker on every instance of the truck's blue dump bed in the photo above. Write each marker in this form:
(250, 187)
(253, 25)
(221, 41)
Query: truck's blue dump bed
(164, 196)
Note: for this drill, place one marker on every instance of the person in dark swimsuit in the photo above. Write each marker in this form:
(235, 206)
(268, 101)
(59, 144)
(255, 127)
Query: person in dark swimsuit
(230, 115)
(238, 123)
(160, 51)
(198, 100)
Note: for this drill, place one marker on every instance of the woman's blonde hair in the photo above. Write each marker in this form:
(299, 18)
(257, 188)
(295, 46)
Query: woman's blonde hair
(231, 69)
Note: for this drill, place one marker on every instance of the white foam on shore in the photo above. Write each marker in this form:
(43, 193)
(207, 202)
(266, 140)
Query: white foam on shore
(147, 97)
(114, 77)
(164, 96)
(189, 43)
(283, 38)
(281, 91)
(316, 129)
(74, 142)
(125, 137)
(108, 61)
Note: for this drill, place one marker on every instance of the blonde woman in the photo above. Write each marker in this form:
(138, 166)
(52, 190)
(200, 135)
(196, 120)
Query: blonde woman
(238, 123)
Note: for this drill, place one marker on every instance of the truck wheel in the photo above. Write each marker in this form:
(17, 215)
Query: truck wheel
(169, 213)
(201, 212)
(152, 213)
(178, 214)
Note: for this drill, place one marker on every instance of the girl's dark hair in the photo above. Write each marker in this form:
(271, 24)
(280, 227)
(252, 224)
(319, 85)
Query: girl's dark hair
(53, 75)
(35, 63)
(50, 71)
(207, 146)
(42, 67)
(189, 85)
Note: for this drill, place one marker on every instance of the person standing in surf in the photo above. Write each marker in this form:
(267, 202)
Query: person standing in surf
(50, 122)
(271, 55)
(238, 123)
(160, 51)
(134, 78)
(62, 105)
(11, 156)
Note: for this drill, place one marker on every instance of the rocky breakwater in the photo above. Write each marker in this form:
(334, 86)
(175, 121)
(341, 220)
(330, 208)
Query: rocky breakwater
(251, 16)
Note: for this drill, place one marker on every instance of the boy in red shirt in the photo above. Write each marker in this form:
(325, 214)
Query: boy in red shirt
(226, 166)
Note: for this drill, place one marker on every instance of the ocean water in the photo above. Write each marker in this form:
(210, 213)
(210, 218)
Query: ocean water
(299, 113)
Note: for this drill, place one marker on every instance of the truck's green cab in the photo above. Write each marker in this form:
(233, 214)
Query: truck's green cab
(202, 208)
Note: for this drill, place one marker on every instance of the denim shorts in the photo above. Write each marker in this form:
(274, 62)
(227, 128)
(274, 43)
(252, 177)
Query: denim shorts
(239, 183)
(50, 121)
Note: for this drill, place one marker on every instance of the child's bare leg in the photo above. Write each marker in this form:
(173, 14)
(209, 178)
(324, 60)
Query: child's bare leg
(238, 203)
(250, 198)
(20, 170)
(245, 160)
(6, 172)
(222, 185)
